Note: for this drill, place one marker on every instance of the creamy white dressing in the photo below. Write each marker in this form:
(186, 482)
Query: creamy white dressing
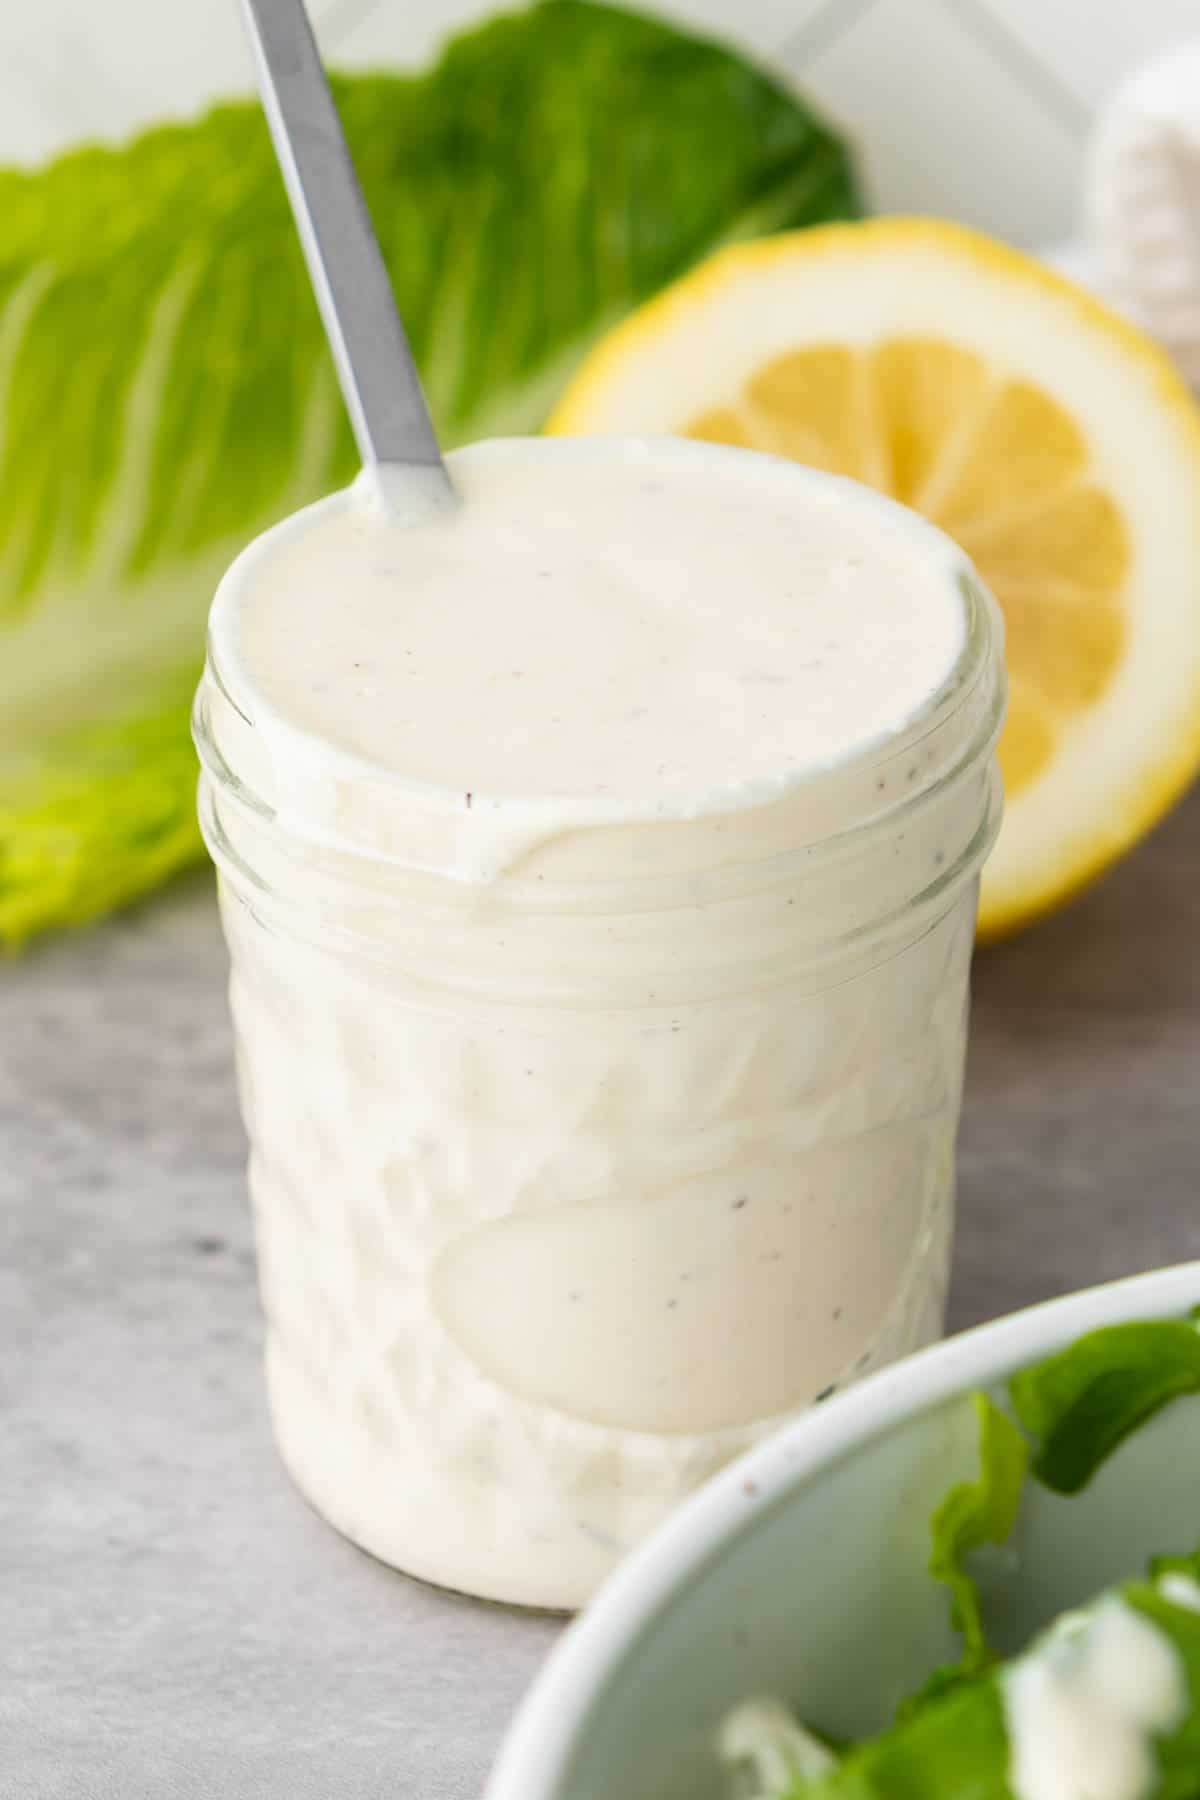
(1180, 1589)
(576, 1171)
(769, 1752)
(1084, 1708)
(618, 626)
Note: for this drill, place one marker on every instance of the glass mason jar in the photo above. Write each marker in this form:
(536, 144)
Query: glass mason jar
(573, 1179)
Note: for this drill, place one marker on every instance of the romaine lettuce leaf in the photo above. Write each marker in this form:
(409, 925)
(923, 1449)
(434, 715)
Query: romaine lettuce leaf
(166, 392)
(1081, 1404)
(975, 1513)
(970, 1515)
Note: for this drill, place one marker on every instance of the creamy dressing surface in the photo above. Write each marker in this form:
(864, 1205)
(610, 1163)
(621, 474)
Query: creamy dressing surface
(578, 1170)
(615, 627)
(1084, 1708)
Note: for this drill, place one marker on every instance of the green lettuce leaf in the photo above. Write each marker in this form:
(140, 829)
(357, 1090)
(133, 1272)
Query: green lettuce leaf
(975, 1513)
(1081, 1404)
(969, 1516)
(167, 394)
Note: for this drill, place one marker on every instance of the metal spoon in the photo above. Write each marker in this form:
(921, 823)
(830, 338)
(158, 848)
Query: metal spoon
(375, 367)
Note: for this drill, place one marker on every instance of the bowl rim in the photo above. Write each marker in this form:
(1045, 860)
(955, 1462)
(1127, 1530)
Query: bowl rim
(535, 1753)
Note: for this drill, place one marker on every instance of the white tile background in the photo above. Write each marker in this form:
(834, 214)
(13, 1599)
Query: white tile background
(977, 108)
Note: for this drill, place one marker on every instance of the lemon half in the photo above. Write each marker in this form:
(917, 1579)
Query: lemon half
(1052, 440)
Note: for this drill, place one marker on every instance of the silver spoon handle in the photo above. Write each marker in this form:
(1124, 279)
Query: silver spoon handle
(375, 366)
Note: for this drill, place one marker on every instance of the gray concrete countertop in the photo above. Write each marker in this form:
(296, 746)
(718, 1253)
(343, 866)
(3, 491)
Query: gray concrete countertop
(174, 1622)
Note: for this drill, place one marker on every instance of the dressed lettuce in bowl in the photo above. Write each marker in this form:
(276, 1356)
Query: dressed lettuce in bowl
(976, 1576)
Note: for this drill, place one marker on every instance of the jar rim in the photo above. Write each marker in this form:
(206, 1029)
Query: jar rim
(549, 813)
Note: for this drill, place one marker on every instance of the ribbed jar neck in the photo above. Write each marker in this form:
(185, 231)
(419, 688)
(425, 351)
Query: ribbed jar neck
(339, 804)
(827, 875)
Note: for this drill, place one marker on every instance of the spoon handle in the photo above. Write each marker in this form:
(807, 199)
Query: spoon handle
(375, 366)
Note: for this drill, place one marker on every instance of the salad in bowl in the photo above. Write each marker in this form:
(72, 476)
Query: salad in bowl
(974, 1577)
(1104, 1704)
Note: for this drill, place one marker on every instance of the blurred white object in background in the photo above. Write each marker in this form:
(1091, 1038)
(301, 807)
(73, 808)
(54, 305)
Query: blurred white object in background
(1142, 204)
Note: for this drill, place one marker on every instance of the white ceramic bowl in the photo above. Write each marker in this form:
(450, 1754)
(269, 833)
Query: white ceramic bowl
(800, 1571)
